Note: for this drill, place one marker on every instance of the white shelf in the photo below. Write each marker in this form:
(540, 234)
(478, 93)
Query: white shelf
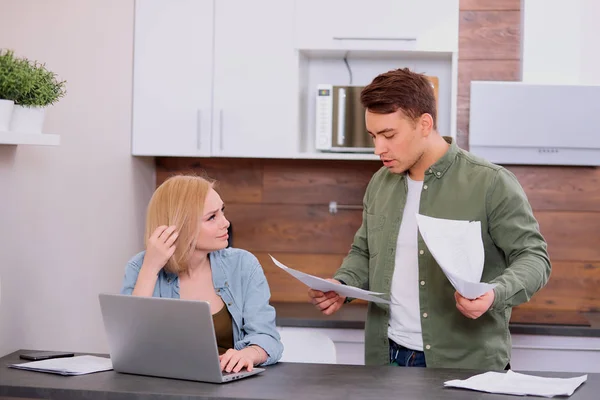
(335, 156)
(41, 139)
(307, 155)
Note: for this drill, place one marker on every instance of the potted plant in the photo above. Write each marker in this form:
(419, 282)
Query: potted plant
(39, 89)
(10, 81)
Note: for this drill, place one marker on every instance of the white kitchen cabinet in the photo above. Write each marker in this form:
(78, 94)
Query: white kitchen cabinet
(568, 55)
(349, 343)
(555, 353)
(529, 352)
(215, 78)
(172, 90)
(423, 25)
(255, 108)
(235, 78)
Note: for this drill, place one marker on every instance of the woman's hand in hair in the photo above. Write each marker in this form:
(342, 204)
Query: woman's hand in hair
(160, 247)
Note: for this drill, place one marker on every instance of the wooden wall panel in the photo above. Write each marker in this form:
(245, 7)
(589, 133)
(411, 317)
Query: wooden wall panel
(489, 35)
(238, 180)
(317, 182)
(560, 188)
(281, 206)
(572, 286)
(490, 5)
(292, 228)
(571, 236)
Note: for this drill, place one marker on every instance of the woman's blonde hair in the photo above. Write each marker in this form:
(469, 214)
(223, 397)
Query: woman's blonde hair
(179, 201)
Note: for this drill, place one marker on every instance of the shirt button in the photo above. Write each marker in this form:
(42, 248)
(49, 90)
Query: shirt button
(428, 347)
(229, 304)
(430, 171)
(425, 187)
(424, 315)
(421, 252)
(226, 284)
(438, 173)
(422, 283)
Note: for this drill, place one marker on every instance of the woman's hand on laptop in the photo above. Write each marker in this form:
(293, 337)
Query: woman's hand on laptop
(234, 360)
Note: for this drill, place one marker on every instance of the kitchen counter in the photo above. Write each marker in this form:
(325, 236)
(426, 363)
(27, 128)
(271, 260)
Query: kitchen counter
(525, 322)
(281, 381)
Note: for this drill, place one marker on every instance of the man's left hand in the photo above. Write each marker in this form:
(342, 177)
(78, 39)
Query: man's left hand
(474, 308)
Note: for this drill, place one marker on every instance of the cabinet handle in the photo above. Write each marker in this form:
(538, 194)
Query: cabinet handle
(402, 39)
(221, 129)
(198, 129)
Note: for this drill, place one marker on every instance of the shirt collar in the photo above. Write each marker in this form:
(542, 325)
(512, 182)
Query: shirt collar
(439, 168)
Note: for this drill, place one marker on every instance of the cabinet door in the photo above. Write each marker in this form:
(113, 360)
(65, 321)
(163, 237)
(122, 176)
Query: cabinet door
(256, 74)
(172, 81)
(420, 25)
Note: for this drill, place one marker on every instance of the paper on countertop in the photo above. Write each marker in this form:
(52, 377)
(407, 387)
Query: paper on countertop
(457, 247)
(321, 284)
(519, 384)
(78, 365)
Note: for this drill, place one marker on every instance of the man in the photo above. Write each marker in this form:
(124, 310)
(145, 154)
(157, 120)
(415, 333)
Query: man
(429, 323)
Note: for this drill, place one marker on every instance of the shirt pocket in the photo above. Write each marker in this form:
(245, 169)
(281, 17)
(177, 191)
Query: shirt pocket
(375, 224)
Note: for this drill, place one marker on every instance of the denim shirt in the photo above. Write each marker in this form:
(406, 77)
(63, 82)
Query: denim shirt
(240, 281)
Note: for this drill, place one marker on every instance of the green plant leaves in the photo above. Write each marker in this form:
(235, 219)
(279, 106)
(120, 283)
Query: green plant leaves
(28, 83)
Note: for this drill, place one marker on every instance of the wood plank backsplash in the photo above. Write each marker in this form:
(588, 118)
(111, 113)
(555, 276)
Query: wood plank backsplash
(280, 207)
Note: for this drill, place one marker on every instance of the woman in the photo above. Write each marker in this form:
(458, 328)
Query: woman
(186, 257)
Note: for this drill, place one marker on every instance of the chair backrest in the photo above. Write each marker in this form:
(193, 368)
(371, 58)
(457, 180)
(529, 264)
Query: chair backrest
(307, 346)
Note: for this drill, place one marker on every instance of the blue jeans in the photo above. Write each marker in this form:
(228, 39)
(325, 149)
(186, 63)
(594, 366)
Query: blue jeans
(403, 357)
(400, 356)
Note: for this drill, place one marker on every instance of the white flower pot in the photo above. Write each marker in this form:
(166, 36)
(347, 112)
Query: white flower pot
(6, 112)
(27, 119)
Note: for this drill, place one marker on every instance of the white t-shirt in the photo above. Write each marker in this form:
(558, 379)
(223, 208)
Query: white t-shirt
(405, 319)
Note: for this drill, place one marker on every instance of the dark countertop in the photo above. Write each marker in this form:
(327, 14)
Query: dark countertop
(281, 381)
(352, 316)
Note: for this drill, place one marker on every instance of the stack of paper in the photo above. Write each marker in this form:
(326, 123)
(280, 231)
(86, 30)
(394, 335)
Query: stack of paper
(322, 285)
(519, 384)
(457, 247)
(78, 365)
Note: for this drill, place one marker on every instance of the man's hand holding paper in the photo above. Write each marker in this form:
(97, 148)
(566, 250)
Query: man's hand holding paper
(327, 302)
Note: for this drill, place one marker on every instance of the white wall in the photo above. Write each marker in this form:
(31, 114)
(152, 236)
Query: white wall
(72, 215)
(560, 41)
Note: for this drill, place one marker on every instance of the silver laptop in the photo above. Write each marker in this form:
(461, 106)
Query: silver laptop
(169, 338)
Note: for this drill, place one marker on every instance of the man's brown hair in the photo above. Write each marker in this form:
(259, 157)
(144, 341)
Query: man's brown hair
(400, 89)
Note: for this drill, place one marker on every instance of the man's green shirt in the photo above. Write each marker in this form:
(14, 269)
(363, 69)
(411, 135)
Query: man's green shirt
(459, 186)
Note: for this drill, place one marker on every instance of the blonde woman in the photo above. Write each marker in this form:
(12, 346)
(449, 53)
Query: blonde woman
(187, 257)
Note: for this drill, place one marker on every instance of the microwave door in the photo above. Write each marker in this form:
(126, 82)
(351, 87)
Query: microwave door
(341, 118)
(356, 133)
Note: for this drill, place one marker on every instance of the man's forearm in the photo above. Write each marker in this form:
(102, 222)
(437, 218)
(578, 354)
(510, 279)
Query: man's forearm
(521, 280)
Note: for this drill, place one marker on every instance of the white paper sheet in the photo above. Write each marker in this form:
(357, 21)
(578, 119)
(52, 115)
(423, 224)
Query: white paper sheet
(457, 247)
(519, 384)
(78, 365)
(321, 284)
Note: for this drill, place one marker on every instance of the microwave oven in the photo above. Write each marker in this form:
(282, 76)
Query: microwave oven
(340, 118)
